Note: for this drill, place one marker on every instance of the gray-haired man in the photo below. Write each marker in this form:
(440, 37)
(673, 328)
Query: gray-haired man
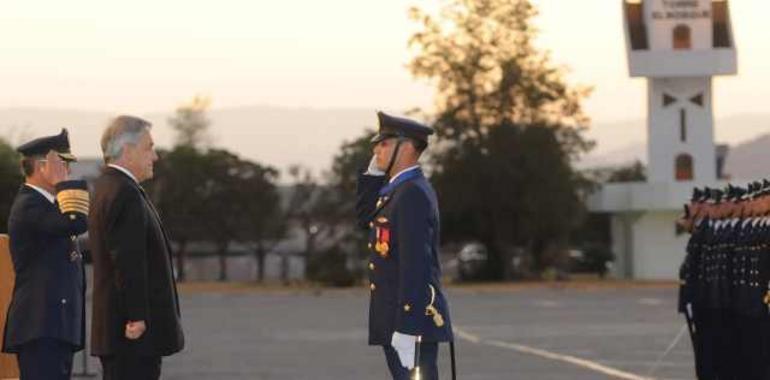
(136, 318)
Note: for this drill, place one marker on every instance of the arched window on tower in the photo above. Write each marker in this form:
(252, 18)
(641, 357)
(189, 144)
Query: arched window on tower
(682, 38)
(684, 167)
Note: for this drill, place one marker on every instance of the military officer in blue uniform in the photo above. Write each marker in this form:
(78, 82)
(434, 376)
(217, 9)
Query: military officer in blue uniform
(46, 317)
(408, 313)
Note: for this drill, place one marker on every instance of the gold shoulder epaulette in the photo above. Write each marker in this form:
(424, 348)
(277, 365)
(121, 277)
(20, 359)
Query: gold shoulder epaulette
(73, 200)
(73, 197)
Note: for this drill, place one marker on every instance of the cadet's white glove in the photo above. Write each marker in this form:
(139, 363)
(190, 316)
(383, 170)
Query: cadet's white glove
(404, 346)
(373, 169)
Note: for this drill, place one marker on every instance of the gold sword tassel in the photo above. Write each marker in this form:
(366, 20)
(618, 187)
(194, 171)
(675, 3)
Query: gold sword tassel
(431, 310)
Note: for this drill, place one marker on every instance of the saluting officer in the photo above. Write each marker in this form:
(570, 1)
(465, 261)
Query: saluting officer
(45, 322)
(408, 313)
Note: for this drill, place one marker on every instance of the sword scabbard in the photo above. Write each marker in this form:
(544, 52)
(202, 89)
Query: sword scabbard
(417, 344)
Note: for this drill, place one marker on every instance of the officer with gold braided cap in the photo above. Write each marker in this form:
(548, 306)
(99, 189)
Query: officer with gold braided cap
(408, 313)
(46, 318)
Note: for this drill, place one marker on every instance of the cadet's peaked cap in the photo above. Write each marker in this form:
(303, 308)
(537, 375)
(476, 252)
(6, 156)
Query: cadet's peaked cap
(696, 194)
(41, 146)
(391, 126)
(716, 195)
(728, 191)
(740, 194)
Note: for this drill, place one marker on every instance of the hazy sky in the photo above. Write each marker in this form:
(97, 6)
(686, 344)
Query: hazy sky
(145, 56)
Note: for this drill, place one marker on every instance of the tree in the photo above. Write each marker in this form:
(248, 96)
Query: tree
(508, 128)
(178, 190)
(630, 172)
(262, 221)
(217, 196)
(191, 123)
(488, 73)
(10, 180)
(352, 158)
(634, 172)
(307, 209)
(178, 193)
(224, 212)
(332, 266)
(208, 194)
(324, 212)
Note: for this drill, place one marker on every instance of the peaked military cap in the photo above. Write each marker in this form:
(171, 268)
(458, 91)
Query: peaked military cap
(696, 194)
(705, 195)
(716, 195)
(41, 146)
(763, 188)
(730, 192)
(740, 194)
(735, 193)
(754, 187)
(392, 126)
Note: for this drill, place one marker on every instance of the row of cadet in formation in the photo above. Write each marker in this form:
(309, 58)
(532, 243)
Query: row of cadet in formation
(725, 281)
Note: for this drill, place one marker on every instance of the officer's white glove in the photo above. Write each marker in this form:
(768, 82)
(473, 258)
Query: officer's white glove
(373, 169)
(404, 345)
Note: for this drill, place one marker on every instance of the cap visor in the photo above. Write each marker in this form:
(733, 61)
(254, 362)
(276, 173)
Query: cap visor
(67, 156)
(377, 138)
(382, 136)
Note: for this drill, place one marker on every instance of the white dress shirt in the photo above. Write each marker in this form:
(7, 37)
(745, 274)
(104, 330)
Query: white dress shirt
(124, 170)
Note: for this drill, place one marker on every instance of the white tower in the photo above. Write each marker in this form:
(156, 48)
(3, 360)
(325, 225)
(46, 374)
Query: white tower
(679, 45)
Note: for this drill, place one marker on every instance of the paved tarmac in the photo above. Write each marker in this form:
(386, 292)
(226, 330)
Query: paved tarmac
(531, 332)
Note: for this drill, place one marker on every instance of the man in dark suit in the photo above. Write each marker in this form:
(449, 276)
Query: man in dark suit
(136, 317)
(45, 322)
(408, 311)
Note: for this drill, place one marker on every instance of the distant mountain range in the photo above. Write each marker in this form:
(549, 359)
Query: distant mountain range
(747, 135)
(282, 136)
(750, 160)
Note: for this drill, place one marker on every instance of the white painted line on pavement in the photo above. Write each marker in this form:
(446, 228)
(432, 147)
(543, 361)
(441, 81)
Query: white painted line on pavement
(583, 363)
(650, 301)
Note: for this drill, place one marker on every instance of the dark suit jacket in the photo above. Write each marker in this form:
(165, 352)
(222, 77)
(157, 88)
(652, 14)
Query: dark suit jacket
(133, 273)
(403, 272)
(49, 290)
